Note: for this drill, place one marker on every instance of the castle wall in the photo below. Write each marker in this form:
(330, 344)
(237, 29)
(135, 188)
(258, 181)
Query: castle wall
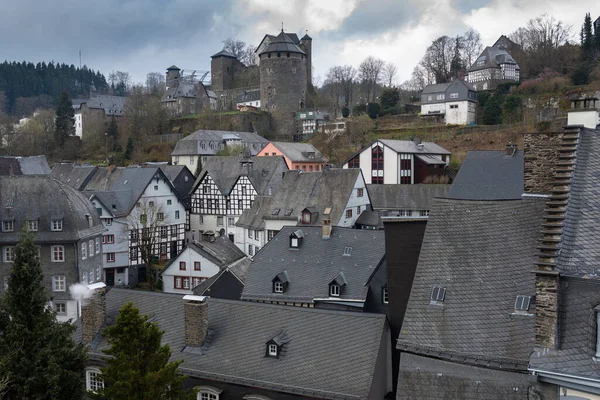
(245, 77)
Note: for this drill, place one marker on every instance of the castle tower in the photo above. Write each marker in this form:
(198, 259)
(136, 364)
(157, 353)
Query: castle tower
(221, 70)
(172, 78)
(282, 82)
(306, 46)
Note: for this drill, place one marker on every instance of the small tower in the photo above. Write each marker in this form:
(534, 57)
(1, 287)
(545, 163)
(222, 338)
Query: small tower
(306, 46)
(221, 70)
(173, 75)
(282, 82)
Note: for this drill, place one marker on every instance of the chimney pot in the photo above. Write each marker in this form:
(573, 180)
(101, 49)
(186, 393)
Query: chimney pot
(196, 320)
(326, 229)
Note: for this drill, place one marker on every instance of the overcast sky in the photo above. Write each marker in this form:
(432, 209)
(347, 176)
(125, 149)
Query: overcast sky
(141, 36)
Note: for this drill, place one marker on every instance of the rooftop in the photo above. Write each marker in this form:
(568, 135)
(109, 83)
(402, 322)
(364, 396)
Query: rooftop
(300, 152)
(209, 142)
(405, 197)
(32, 165)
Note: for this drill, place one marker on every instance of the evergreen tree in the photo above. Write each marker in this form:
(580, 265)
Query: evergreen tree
(129, 149)
(113, 131)
(373, 110)
(198, 168)
(389, 98)
(42, 360)
(587, 38)
(345, 112)
(65, 119)
(139, 368)
(492, 111)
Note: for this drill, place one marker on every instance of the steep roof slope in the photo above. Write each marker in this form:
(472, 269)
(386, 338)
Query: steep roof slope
(74, 175)
(300, 152)
(209, 142)
(405, 197)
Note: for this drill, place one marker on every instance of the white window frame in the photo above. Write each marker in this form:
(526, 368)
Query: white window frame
(56, 225)
(83, 251)
(109, 221)
(208, 393)
(59, 283)
(8, 225)
(33, 225)
(110, 257)
(63, 305)
(90, 374)
(91, 248)
(272, 350)
(97, 245)
(334, 290)
(278, 287)
(385, 295)
(8, 254)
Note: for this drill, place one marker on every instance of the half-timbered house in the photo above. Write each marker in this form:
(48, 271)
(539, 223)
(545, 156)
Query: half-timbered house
(227, 186)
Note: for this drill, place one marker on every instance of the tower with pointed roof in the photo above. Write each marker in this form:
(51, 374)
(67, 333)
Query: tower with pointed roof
(283, 82)
(173, 75)
(306, 46)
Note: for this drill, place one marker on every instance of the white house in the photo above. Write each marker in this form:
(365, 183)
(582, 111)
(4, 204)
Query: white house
(456, 101)
(387, 161)
(227, 186)
(198, 262)
(333, 197)
(249, 98)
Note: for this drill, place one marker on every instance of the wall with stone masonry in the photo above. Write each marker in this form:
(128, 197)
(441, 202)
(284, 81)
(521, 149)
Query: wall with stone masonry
(541, 156)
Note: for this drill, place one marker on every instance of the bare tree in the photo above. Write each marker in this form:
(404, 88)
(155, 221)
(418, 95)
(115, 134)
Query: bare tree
(155, 83)
(438, 57)
(370, 75)
(334, 81)
(249, 56)
(245, 53)
(389, 73)
(471, 47)
(348, 79)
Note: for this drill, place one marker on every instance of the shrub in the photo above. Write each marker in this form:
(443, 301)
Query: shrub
(345, 112)
(492, 112)
(581, 75)
(373, 110)
(359, 109)
(512, 109)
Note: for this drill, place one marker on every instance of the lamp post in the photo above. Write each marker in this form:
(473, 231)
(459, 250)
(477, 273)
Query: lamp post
(106, 143)
(220, 111)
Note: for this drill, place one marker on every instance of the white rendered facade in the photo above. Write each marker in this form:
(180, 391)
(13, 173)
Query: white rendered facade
(187, 271)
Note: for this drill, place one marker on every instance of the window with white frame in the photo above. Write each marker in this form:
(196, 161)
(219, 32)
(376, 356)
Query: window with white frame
(255, 235)
(60, 308)
(8, 225)
(454, 95)
(58, 253)
(93, 381)
(8, 254)
(384, 294)
(56, 225)
(220, 221)
(273, 350)
(84, 278)
(206, 394)
(334, 290)
(250, 250)
(91, 248)
(33, 225)
(108, 221)
(83, 251)
(176, 214)
(98, 272)
(97, 245)
(278, 287)
(110, 257)
(59, 283)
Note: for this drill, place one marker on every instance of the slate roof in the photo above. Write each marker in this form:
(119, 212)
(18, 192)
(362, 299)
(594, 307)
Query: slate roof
(282, 43)
(577, 332)
(406, 147)
(183, 89)
(299, 152)
(315, 264)
(482, 252)
(405, 197)
(225, 171)
(436, 88)
(311, 363)
(489, 175)
(43, 198)
(580, 246)
(173, 172)
(237, 268)
(222, 251)
(32, 165)
(112, 105)
(192, 144)
(250, 95)
(223, 53)
(298, 190)
(369, 218)
(74, 175)
(493, 57)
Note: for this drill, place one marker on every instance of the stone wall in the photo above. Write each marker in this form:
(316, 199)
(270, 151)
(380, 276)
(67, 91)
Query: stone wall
(93, 312)
(541, 156)
(546, 310)
(258, 122)
(196, 322)
(245, 77)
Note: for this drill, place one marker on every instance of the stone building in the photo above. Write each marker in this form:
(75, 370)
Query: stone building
(91, 115)
(186, 95)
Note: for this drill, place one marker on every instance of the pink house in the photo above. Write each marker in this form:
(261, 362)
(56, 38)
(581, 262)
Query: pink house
(300, 156)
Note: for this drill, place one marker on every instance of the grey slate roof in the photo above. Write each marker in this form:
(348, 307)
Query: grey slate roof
(32, 165)
(237, 268)
(250, 95)
(199, 142)
(493, 57)
(409, 146)
(223, 53)
(184, 90)
(405, 197)
(282, 43)
(74, 175)
(580, 246)
(226, 171)
(369, 218)
(112, 105)
(42, 198)
(328, 355)
(222, 251)
(436, 88)
(299, 152)
(482, 252)
(489, 175)
(315, 264)
(298, 190)
(577, 332)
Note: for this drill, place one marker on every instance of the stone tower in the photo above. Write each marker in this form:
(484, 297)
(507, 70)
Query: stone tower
(306, 46)
(221, 70)
(283, 72)
(173, 75)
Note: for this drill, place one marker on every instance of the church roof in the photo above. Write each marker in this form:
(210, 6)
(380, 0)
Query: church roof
(282, 43)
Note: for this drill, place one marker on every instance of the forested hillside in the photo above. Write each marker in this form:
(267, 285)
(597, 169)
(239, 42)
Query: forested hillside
(25, 86)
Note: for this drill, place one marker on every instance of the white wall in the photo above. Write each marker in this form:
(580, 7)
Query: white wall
(438, 108)
(189, 256)
(589, 119)
(365, 164)
(78, 125)
(353, 202)
(390, 166)
(189, 161)
(72, 312)
(460, 115)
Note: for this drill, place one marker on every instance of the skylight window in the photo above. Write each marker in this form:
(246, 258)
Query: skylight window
(347, 251)
(327, 211)
(276, 211)
(437, 295)
(522, 303)
(288, 212)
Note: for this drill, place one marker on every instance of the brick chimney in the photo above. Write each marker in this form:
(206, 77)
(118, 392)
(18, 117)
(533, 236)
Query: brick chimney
(326, 229)
(196, 320)
(93, 312)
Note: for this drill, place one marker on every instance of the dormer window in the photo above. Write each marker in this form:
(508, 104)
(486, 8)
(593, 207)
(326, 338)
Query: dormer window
(347, 251)
(278, 287)
(336, 286)
(272, 350)
(275, 346)
(438, 294)
(56, 224)
(334, 290)
(311, 154)
(281, 282)
(296, 239)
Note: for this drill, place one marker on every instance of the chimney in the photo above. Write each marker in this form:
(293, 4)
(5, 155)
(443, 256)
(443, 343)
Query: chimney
(542, 151)
(584, 112)
(196, 320)
(93, 312)
(510, 149)
(326, 229)
(111, 168)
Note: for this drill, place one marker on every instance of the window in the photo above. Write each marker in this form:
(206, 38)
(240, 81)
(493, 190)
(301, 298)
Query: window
(32, 225)
(278, 287)
(197, 266)
(240, 204)
(8, 226)
(182, 265)
(108, 221)
(349, 213)
(454, 95)
(98, 273)
(60, 308)
(91, 247)
(347, 251)
(133, 236)
(186, 282)
(522, 303)
(151, 203)
(109, 239)
(196, 281)
(178, 284)
(164, 231)
(58, 253)
(176, 214)
(56, 225)
(250, 253)
(271, 234)
(93, 381)
(209, 393)
(424, 213)
(275, 211)
(405, 180)
(377, 158)
(272, 350)
(59, 283)
(437, 295)
(155, 187)
(306, 217)
(384, 295)
(440, 97)
(169, 201)
(255, 235)
(205, 189)
(143, 218)
(84, 278)
(110, 257)
(220, 221)
(334, 290)
(97, 245)
(359, 192)
(83, 251)
(250, 233)
(230, 221)
(160, 216)
(453, 106)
